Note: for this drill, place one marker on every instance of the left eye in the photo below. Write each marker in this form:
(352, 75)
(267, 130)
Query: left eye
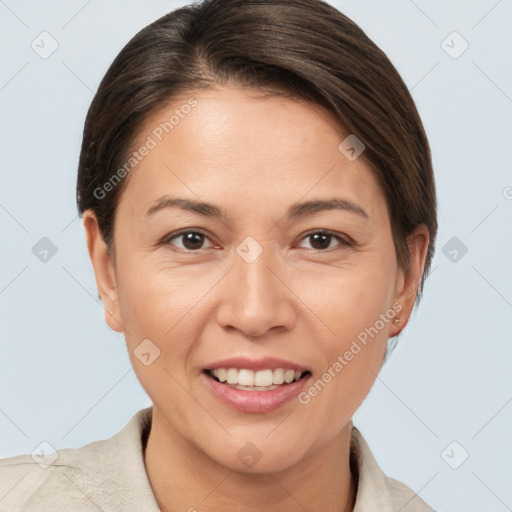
(321, 240)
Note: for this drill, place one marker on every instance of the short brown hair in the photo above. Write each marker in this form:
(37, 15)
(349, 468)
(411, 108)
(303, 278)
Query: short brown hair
(304, 48)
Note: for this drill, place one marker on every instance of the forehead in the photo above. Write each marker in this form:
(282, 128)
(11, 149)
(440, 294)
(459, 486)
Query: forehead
(242, 148)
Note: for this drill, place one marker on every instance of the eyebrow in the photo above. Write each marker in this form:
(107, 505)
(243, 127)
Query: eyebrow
(336, 203)
(296, 210)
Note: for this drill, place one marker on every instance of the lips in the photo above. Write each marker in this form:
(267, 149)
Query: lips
(253, 400)
(264, 363)
(255, 386)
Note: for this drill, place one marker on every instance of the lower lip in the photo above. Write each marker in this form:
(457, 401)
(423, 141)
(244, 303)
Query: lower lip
(255, 401)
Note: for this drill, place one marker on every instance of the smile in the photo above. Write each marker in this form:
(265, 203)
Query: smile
(249, 380)
(250, 391)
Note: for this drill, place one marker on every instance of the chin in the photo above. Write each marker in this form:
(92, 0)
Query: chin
(253, 457)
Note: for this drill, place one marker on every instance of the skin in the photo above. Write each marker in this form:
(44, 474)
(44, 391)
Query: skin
(252, 157)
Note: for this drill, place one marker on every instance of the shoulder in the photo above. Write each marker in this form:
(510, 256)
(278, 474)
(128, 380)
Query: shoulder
(405, 499)
(375, 490)
(28, 484)
(101, 475)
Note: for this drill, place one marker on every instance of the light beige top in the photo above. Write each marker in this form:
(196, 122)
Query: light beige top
(110, 475)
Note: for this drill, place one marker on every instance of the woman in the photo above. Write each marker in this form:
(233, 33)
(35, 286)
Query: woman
(260, 212)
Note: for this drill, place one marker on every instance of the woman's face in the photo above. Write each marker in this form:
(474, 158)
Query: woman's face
(237, 266)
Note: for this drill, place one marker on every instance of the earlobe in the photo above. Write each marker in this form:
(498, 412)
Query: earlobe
(103, 270)
(408, 283)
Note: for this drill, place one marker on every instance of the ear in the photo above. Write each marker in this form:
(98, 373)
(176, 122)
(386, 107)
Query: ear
(407, 283)
(104, 270)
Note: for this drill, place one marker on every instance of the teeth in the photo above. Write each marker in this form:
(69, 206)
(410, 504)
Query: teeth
(248, 379)
(262, 378)
(232, 376)
(253, 388)
(278, 376)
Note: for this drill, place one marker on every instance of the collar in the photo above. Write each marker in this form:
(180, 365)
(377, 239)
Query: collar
(129, 482)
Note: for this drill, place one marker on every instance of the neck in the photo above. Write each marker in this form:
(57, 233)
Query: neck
(183, 477)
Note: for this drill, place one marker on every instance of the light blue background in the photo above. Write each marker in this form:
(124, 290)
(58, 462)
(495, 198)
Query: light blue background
(66, 378)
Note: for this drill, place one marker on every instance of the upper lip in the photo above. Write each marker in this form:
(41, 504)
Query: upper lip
(263, 363)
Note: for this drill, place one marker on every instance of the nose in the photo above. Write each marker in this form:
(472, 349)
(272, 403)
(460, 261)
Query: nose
(255, 298)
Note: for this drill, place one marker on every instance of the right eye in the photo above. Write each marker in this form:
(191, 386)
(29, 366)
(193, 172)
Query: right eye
(190, 241)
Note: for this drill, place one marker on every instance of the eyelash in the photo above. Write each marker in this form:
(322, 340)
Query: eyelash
(343, 241)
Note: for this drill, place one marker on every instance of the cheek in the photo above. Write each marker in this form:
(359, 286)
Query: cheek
(157, 306)
(347, 300)
(351, 333)
(352, 360)
(160, 303)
